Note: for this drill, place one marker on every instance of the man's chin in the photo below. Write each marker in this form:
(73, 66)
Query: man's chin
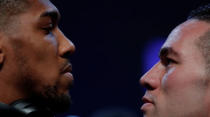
(55, 102)
(60, 103)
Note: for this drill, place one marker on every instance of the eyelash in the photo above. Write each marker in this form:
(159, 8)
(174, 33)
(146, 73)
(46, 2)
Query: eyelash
(48, 29)
(167, 61)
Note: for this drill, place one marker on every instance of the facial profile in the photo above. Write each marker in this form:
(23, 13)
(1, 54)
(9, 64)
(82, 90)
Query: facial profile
(178, 85)
(36, 57)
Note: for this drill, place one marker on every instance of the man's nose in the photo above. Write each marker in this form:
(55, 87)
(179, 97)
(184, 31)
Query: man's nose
(151, 80)
(65, 46)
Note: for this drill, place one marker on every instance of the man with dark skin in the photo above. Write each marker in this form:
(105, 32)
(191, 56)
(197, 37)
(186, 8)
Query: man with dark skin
(179, 84)
(34, 54)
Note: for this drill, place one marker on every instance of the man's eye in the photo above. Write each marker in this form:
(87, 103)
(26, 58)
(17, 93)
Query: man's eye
(48, 29)
(168, 61)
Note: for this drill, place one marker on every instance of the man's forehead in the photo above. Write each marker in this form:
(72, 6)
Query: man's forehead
(43, 5)
(183, 39)
(43, 8)
(188, 32)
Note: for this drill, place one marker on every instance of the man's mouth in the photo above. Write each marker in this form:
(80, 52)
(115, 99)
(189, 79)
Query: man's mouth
(66, 76)
(148, 103)
(67, 69)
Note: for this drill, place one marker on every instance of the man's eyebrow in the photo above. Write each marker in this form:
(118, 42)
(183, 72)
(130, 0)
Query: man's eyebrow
(164, 52)
(54, 15)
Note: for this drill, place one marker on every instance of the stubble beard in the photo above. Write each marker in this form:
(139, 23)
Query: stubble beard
(47, 96)
(28, 83)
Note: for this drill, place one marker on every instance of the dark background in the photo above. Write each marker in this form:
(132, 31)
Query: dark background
(110, 36)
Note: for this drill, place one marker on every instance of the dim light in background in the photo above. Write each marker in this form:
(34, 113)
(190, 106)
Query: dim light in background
(150, 53)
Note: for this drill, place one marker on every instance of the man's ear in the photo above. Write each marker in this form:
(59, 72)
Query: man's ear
(2, 54)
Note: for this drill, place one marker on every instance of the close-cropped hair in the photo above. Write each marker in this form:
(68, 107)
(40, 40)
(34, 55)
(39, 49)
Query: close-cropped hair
(9, 9)
(202, 13)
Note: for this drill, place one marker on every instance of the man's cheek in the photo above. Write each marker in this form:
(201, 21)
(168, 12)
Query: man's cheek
(168, 78)
(172, 81)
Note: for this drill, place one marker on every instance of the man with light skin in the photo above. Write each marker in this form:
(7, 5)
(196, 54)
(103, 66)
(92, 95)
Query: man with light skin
(34, 55)
(179, 84)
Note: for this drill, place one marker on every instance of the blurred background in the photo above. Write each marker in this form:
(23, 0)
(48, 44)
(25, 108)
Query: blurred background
(116, 41)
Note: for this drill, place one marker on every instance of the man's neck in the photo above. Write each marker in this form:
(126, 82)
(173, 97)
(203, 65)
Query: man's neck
(9, 93)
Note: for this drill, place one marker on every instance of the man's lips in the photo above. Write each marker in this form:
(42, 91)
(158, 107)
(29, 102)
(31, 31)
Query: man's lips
(147, 103)
(67, 75)
(67, 68)
(66, 72)
(146, 100)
